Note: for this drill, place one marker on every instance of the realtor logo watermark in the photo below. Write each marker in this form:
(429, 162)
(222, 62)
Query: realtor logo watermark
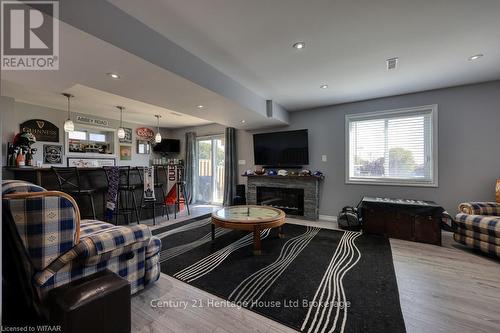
(30, 35)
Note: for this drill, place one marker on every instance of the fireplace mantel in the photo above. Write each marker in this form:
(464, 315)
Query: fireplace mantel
(310, 184)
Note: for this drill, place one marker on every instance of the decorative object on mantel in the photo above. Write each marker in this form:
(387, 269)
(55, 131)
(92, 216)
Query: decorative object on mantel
(121, 131)
(271, 173)
(21, 150)
(43, 130)
(282, 172)
(88, 162)
(158, 135)
(260, 172)
(248, 173)
(305, 172)
(145, 133)
(52, 154)
(318, 174)
(69, 126)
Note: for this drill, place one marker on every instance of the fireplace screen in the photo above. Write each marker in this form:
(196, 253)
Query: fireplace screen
(290, 200)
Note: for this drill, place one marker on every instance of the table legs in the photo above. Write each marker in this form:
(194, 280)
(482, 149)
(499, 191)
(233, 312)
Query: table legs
(256, 242)
(281, 234)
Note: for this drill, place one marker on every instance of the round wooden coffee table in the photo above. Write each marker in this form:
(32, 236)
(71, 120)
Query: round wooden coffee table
(250, 218)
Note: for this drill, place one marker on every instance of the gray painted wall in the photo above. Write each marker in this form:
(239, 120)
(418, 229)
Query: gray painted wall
(19, 112)
(468, 138)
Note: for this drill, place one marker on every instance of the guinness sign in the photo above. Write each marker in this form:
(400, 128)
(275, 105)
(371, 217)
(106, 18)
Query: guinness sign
(43, 130)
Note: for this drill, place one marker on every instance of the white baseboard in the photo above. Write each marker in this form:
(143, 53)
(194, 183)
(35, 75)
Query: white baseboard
(329, 218)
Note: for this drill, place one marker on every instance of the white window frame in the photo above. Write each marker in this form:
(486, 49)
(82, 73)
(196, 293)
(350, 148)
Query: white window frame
(433, 144)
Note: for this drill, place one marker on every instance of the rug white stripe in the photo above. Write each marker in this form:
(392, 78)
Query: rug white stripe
(322, 284)
(331, 279)
(276, 276)
(248, 282)
(207, 264)
(173, 252)
(339, 286)
(252, 286)
(344, 320)
(207, 261)
(186, 227)
(346, 256)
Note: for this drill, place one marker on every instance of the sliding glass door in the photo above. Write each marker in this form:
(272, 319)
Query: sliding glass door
(210, 175)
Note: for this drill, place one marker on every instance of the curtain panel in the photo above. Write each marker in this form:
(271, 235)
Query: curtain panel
(230, 166)
(191, 166)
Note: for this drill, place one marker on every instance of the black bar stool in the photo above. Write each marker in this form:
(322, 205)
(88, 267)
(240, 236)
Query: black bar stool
(181, 193)
(68, 179)
(147, 203)
(126, 188)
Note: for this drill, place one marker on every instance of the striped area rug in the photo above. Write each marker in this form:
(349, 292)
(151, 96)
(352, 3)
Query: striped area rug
(313, 280)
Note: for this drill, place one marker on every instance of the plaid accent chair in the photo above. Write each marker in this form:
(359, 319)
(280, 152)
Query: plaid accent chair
(478, 226)
(62, 248)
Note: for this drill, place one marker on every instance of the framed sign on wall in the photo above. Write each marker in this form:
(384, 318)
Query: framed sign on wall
(52, 154)
(145, 133)
(125, 153)
(43, 130)
(89, 162)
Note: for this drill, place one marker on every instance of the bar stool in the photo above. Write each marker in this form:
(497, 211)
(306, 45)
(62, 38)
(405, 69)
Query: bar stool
(160, 185)
(128, 189)
(68, 179)
(147, 203)
(181, 192)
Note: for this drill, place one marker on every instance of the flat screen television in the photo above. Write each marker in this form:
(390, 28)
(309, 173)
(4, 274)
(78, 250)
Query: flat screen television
(281, 149)
(168, 146)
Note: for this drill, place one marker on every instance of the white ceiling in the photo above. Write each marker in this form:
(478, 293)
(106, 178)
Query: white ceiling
(144, 89)
(347, 43)
(100, 103)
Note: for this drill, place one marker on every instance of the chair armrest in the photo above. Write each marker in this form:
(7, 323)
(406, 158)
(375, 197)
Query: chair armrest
(480, 208)
(47, 222)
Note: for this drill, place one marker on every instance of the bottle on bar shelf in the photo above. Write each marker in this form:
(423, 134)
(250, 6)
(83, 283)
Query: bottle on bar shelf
(20, 161)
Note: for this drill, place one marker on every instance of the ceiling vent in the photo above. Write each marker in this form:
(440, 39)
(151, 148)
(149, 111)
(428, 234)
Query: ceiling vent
(392, 63)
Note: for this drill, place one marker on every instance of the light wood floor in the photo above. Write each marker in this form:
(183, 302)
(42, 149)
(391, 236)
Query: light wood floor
(442, 289)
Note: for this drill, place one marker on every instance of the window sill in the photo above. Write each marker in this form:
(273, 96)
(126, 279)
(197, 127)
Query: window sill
(390, 183)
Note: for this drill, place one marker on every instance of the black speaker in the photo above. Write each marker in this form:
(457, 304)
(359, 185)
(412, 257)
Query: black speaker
(240, 197)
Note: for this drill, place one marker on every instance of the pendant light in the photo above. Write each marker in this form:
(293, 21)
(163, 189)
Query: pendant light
(121, 130)
(158, 135)
(69, 126)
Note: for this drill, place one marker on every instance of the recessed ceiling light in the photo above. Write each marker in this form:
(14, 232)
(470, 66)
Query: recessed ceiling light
(243, 121)
(323, 86)
(200, 106)
(475, 57)
(113, 76)
(299, 45)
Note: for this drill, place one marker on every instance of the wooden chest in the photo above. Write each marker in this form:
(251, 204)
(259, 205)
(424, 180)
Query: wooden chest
(412, 220)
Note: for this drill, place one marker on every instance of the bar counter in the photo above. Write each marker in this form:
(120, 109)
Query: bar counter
(90, 178)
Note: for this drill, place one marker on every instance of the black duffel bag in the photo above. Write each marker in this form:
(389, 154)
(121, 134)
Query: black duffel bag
(349, 219)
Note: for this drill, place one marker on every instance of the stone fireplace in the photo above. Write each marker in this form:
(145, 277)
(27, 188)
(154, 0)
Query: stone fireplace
(295, 195)
(289, 200)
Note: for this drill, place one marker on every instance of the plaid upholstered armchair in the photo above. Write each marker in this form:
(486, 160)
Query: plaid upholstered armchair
(478, 226)
(62, 248)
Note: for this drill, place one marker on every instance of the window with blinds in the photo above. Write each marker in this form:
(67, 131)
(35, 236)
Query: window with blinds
(396, 147)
